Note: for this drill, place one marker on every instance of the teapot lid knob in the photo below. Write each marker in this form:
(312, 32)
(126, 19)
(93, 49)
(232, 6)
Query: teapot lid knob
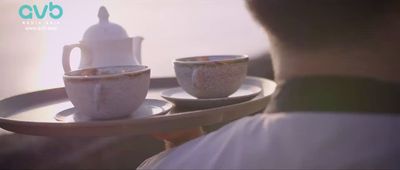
(103, 14)
(104, 29)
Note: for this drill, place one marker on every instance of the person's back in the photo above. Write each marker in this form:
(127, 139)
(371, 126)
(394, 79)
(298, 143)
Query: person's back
(296, 140)
(336, 105)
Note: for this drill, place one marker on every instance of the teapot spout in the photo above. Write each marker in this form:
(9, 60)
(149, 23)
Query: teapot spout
(137, 48)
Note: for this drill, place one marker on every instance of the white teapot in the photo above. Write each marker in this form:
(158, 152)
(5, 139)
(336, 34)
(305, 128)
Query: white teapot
(105, 44)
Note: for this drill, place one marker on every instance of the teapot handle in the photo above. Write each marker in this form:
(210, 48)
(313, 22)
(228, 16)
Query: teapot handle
(66, 56)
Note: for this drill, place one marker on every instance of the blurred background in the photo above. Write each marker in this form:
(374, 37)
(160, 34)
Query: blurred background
(31, 59)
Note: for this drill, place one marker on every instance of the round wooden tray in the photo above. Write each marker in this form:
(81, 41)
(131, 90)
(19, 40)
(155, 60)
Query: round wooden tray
(33, 113)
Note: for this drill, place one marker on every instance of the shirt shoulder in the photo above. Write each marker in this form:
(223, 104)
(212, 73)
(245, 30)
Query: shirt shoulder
(205, 152)
(294, 140)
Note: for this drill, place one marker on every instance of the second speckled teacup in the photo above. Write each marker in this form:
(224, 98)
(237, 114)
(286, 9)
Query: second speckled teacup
(214, 76)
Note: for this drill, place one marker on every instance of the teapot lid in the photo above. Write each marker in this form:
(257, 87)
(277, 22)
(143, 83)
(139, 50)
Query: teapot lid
(104, 30)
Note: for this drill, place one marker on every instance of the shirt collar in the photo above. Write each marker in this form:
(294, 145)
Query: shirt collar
(336, 94)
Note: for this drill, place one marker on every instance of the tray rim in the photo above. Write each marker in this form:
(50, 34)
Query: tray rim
(111, 123)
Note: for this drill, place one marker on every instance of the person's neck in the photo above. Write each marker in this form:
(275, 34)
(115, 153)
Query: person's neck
(290, 63)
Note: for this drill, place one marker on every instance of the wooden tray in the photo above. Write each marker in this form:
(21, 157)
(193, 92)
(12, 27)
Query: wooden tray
(33, 113)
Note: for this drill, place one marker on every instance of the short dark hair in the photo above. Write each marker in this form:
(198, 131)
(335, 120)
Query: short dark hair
(316, 23)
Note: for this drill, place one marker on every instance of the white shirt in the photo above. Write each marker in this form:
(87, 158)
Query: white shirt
(292, 141)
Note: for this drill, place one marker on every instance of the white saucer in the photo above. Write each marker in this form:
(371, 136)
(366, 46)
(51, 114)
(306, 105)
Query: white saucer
(149, 108)
(182, 99)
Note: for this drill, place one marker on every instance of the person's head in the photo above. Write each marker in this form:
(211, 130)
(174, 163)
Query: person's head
(339, 37)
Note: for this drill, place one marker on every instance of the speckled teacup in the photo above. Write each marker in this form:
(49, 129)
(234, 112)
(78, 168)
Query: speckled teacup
(107, 92)
(214, 76)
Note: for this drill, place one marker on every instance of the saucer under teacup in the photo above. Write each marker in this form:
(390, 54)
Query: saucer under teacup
(182, 99)
(149, 108)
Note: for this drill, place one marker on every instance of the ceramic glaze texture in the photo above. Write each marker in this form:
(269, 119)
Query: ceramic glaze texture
(214, 77)
(107, 93)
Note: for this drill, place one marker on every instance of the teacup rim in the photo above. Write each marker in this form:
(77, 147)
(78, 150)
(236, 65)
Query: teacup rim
(138, 72)
(241, 57)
